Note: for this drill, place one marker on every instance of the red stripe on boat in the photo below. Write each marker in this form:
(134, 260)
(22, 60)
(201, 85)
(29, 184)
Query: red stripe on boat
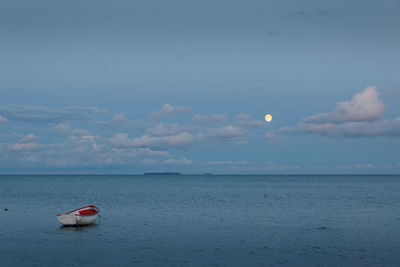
(88, 212)
(90, 206)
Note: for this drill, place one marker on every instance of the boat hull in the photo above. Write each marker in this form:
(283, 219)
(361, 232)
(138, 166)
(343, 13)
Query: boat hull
(82, 216)
(72, 219)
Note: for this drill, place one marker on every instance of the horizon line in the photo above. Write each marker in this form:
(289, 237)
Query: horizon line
(198, 174)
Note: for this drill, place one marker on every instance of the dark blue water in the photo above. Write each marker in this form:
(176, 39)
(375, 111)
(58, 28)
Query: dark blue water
(202, 221)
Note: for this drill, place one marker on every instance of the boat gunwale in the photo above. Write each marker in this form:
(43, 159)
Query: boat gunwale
(89, 206)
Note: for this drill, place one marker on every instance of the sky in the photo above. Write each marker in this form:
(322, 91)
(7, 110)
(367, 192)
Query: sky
(135, 86)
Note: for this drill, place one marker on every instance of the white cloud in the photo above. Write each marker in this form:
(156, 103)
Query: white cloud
(182, 161)
(246, 121)
(28, 138)
(227, 162)
(61, 128)
(209, 119)
(165, 129)
(119, 119)
(3, 120)
(147, 152)
(23, 147)
(79, 132)
(87, 138)
(359, 117)
(169, 111)
(121, 140)
(156, 115)
(389, 127)
(364, 106)
(226, 133)
(174, 111)
(181, 140)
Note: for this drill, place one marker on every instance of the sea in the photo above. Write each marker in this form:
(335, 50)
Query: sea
(202, 220)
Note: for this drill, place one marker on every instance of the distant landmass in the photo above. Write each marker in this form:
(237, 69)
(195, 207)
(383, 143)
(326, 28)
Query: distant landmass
(162, 173)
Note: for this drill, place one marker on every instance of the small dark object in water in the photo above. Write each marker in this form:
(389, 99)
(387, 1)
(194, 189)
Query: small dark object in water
(6, 209)
(323, 228)
(265, 195)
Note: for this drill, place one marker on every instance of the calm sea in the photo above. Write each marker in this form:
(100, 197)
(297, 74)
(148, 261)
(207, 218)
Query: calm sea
(202, 221)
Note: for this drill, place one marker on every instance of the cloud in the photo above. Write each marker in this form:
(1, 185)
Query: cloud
(87, 138)
(119, 119)
(209, 119)
(165, 129)
(90, 150)
(227, 162)
(31, 158)
(226, 133)
(61, 128)
(359, 117)
(181, 140)
(271, 138)
(25, 144)
(364, 106)
(147, 152)
(29, 138)
(174, 111)
(149, 161)
(3, 120)
(246, 121)
(389, 128)
(169, 111)
(121, 140)
(182, 161)
(24, 147)
(80, 132)
(156, 115)
(38, 114)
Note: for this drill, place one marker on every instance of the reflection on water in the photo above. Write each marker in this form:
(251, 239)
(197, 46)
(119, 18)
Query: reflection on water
(80, 228)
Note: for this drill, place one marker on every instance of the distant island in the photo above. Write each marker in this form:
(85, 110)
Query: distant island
(162, 173)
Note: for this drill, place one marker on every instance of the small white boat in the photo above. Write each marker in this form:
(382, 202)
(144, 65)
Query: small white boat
(82, 216)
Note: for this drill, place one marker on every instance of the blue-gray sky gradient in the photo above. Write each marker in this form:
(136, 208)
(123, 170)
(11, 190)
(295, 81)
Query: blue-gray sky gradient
(133, 86)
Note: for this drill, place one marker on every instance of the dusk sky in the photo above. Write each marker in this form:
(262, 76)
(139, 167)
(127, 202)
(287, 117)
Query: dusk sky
(137, 86)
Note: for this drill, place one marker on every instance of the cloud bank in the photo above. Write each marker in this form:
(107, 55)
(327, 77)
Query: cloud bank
(364, 106)
(362, 116)
(77, 137)
(39, 114)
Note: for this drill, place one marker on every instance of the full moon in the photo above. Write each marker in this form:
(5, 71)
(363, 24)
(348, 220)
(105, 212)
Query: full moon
(268, 118)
